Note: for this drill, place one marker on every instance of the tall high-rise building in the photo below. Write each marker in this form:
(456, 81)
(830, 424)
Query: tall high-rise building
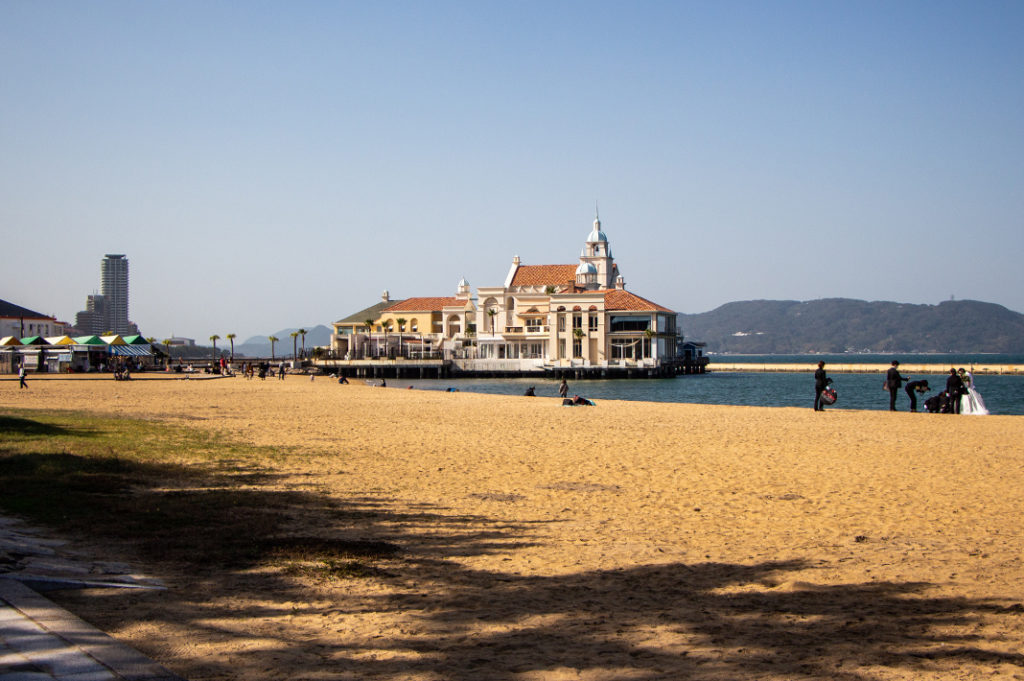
(114, 281)
(108, 311)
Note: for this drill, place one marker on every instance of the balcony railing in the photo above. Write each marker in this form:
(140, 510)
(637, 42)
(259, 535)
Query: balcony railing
(527, 329)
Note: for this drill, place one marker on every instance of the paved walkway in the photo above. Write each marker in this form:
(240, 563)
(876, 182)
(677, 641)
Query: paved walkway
(40, 641)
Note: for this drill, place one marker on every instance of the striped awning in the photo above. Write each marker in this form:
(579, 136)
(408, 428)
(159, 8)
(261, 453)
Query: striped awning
(131, 350)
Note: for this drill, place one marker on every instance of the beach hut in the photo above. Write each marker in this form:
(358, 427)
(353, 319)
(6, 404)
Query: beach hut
(8, 354)
(136, 340)
(88, 353)
(33, 353)
(34, 340)
(60, 340)
(89, 340)
(133, 351)
(60, 355)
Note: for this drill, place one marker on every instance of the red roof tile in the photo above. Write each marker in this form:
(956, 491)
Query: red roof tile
(620, 299)
(544, 275)
(424, 305)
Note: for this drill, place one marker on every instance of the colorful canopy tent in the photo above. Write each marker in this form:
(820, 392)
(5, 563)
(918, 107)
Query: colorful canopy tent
(60, 340)
(9, 340)
(34, 340)
(135, 340)
(113, 340)
(89, 340)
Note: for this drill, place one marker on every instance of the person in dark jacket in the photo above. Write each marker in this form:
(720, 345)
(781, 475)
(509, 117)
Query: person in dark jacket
(893, 383)
(913, 388)
(954, 388)
(820, 383)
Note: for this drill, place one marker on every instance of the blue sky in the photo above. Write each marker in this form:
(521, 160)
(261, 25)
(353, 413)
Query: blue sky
(270, 165)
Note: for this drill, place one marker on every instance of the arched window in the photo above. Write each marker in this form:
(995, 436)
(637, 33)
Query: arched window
(414, 325)
(454, 326)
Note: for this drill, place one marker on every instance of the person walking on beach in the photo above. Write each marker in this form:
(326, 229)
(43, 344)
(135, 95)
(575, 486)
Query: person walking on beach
(954, 389)
(913, 388)
(280, 372)
(563, 388)
(21, 377)
(893, 383)
(820, 383)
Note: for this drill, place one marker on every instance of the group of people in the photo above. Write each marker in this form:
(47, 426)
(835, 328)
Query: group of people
(959, 397)
(261, 370)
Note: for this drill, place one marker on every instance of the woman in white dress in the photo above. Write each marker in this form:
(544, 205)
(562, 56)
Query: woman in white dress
(970, 401)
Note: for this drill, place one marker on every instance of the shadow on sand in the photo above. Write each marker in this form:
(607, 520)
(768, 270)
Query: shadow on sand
(674, 621)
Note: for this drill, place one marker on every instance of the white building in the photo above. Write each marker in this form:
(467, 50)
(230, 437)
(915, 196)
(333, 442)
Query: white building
(572, 315)
(20, 322)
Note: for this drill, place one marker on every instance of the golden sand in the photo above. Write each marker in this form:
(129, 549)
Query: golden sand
(624, 541)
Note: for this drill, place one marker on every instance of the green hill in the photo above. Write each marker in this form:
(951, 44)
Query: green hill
(839, 325)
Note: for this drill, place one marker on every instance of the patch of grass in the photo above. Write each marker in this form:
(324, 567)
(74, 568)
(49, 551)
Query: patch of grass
(169, 493)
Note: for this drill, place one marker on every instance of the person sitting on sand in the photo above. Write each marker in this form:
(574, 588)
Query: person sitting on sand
(530, 392)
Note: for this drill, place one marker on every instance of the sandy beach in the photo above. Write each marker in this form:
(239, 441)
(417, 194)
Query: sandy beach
(623, 541)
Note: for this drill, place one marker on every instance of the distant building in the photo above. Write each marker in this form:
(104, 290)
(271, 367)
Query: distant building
(108, 310)
(179, 342)
(91, 320)
(20, 322)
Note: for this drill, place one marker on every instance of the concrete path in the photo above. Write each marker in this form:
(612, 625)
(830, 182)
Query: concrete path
(40, 641)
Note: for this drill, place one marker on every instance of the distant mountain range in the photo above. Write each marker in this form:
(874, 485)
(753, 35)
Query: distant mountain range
(259, 346)
(835, 325)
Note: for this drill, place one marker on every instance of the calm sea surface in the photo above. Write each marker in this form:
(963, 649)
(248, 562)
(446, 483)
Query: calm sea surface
(1002, 394)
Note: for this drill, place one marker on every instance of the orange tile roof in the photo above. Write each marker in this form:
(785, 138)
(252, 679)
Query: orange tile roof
(544, 275)
(423, 305)
(620, 299)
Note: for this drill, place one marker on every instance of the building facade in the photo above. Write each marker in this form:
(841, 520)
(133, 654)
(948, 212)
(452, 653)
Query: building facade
(541, 318)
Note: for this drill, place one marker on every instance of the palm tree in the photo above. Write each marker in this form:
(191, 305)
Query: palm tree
(295, 336)
(231, 337)
(578, 335)
(272, 339)
(384, 325)
(649, 334)
(401, 328)
(492, 313)
(167, 347)
(369, 329)
(215, 338)
(303, 332)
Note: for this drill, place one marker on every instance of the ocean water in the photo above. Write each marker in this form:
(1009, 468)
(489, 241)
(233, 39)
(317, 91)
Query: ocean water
(949, 359)
(1002, 394)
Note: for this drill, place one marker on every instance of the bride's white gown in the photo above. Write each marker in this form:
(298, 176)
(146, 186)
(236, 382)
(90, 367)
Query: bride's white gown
(971, 403)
